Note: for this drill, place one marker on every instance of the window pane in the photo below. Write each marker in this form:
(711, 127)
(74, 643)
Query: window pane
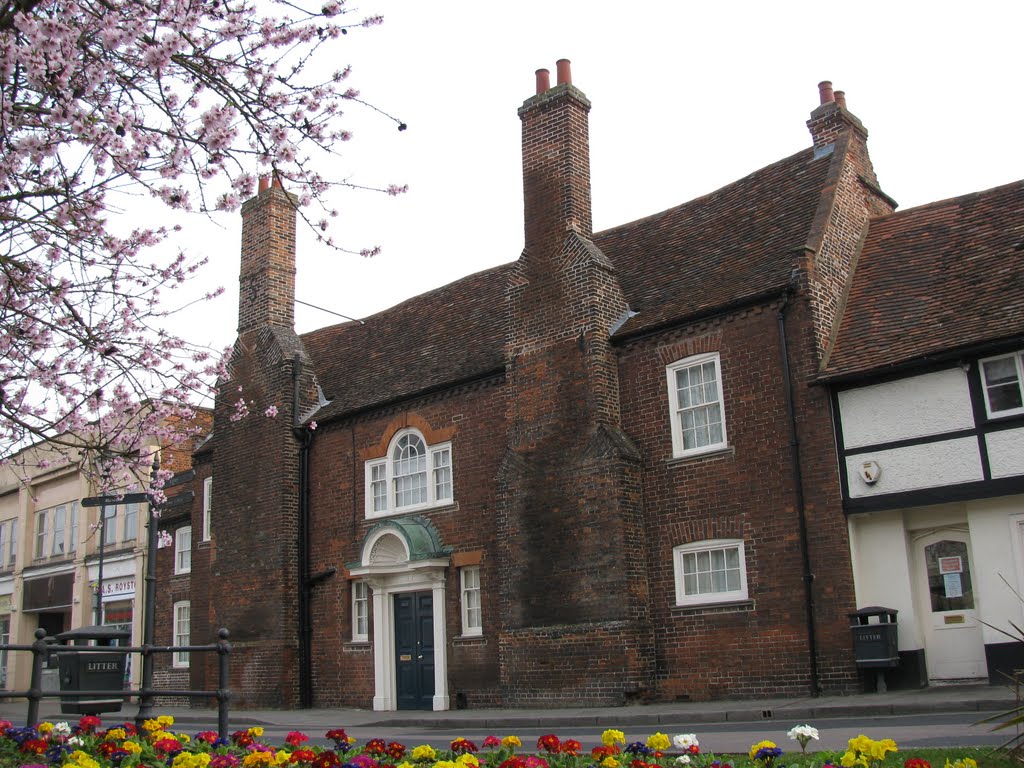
(73, 526)
(703, 582)
(1002, 384)
(690, 584)
(57, 545)
(131, 522)
(109, 526)
(410, 471)
(442, 475)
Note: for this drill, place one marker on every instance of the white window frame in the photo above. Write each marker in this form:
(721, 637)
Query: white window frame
(39, 547)
(58, 538)
(679, 448)
(1018, 360)
(8, 542)
(470, 594)
(109, 538)
(381, 474)
(679, 554)
(182, 627)
(183, 550)
(360, 612)
(72, 528)
(207, 506)
(131, 522)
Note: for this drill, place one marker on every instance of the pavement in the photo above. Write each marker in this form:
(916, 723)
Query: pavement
(676, 715)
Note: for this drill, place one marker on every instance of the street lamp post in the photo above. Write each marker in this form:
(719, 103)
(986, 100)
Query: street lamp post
(149, 609)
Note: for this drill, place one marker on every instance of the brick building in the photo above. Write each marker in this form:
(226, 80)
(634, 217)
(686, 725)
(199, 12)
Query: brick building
(597, 474)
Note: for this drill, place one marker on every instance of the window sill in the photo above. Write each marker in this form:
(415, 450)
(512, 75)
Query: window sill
(450, 507)
(469, 640)
(731, 606)
(713, 453)
(357, 646)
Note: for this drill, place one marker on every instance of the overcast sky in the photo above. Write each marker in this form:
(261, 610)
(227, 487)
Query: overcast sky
(687, 97)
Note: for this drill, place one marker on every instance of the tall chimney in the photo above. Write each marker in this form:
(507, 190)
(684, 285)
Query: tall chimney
(556, 164)
(831, 117)
(266, 281)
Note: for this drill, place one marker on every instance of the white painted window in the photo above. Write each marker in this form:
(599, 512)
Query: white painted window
(1002, 380)
(72, 528)
(40, 549)
(8, 542)
(696, 404)
(109, 525)
(413, 475)
(182, 631)
(183, 550)
(360, 612)
(57, 540)
(131, 522)
(5, 639)
(711, 571)
(472, 617)
(207, 506)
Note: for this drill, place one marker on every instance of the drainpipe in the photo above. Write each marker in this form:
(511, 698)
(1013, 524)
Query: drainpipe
(798, 492)
(305, 624)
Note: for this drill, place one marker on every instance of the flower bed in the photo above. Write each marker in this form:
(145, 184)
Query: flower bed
(86, 744)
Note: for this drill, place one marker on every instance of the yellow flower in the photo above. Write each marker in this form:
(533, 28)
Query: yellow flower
(158, 735)
(511, 742)
(116, 734)
(467, 760)
(151, 725)
(189, 760)
(423, 752)
(256, 731)
(165, 721)
(658, 741)
(444, 764)
(184, 738)
(281, 758)
(132, 746)
(611, 737)
(405, 764)
(759, 746)
(258, 760)
(610, 762)
(81, 759)
(44, 728)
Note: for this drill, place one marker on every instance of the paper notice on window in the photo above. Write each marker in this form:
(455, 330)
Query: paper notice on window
(953, 586)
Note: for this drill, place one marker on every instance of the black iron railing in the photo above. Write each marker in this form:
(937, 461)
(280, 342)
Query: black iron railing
(41, 650)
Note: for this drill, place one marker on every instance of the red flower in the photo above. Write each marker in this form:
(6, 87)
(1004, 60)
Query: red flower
(600, 753)
(571, 747)
(513, 762)
(549, 743)
(208, 736)
(302, 756)
(242, 738)
(34, 746)
(167, 745)
(327, 759)
(395, 750)
(693, 749)
(89, 723)
(916, 762)
(492, 742)
(295, 738)
(107, 748)
(337, 734)
(375, 747)
(461, 746)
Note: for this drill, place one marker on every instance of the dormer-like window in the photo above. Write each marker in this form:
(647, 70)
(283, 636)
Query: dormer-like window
(413, 475)
(1003, 381)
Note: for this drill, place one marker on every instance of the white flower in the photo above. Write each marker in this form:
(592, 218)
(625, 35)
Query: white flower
(74, 741)
(807, 731)
(684, 741)
(62, 729)
(684, 759)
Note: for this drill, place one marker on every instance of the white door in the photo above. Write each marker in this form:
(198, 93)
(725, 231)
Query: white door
(947, 605)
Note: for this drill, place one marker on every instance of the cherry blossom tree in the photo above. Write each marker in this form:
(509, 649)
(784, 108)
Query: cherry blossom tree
(186, 100)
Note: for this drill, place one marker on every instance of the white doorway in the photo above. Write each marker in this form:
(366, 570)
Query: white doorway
(947, 606)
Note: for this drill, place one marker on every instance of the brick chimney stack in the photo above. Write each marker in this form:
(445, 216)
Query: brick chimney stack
(266, 295)
(831, 117)
(556, 162)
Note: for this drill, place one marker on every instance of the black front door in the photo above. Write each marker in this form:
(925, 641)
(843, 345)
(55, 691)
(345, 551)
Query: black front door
(414, 650)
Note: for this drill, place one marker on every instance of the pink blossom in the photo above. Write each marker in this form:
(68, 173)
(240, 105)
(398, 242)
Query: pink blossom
(271, 412)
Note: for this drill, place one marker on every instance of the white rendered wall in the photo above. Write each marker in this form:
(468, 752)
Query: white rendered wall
(997, 548)
(1006, 452)
(927, 465)
(899, 410)
(881, 570)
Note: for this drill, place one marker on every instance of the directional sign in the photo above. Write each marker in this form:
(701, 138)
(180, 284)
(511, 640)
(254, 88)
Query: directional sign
(106, 501)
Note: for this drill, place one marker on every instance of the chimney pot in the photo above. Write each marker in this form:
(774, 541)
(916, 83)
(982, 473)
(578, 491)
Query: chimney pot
(564, 74)
(543, 81)
(841, 98)
(825, 92)
(264, 183)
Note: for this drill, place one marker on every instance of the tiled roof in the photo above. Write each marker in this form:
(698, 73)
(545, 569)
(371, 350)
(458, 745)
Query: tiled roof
(732, 244)
(440, 337)
(944, 277)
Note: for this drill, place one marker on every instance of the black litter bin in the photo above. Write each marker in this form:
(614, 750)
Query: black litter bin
(91, 670)
(875, 642)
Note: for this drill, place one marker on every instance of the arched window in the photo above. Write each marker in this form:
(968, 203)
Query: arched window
(413, 475)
